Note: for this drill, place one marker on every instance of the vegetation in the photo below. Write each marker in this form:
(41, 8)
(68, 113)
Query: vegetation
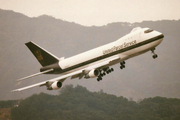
(8, 103)
(77, 103)
(5, 109)
(5, 113)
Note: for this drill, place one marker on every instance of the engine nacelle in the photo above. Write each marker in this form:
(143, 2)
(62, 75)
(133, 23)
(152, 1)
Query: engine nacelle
(55, 85)
(93, 73)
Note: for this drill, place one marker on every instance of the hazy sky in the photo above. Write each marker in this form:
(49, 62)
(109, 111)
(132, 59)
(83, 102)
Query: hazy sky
(97, 12)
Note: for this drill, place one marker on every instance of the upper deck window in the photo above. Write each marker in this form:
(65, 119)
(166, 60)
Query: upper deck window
(148, 31)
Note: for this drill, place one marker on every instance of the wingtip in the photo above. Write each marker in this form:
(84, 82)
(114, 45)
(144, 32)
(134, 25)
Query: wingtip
(21, 79)
(14, 91)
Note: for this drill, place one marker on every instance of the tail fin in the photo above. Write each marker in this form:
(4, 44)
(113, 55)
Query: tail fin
(44, 57)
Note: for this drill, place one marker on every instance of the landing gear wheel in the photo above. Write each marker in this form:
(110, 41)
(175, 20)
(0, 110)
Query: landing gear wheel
(155, 56)
(122, 64)
(121, 67)
(104, 73)
(101, 75)
(99, 78)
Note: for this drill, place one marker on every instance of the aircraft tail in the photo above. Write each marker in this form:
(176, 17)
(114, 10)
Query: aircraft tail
(43, 56)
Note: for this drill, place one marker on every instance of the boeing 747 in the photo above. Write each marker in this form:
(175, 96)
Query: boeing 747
(95, 62)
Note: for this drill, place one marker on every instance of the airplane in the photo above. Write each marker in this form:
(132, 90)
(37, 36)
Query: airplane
(95, 62)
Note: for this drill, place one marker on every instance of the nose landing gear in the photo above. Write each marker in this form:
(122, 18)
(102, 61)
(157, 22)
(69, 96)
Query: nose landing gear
(154, 54)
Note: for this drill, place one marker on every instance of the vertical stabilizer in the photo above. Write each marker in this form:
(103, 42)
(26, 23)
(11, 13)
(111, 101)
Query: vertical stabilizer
(43, 56)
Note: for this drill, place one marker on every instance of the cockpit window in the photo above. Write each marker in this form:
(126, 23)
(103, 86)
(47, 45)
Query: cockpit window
(148, 31)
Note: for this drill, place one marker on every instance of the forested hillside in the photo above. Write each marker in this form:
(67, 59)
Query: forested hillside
(5, 108)
(77, 103)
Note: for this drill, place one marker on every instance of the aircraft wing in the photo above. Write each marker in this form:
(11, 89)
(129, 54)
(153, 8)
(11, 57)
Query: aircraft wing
(61, 78)
(78, 73)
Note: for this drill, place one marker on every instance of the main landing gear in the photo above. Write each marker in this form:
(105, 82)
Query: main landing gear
(122, 64)
(154, 55)
(109, 70)
(104, 72)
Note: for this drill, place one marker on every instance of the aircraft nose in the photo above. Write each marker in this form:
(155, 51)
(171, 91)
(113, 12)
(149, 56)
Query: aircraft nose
(159, 35)
(162, 35)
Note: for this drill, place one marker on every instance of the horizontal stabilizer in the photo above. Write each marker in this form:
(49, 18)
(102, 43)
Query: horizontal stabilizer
(36, 74)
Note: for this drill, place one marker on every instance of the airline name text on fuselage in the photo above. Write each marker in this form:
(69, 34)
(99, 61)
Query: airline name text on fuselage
(119, 47)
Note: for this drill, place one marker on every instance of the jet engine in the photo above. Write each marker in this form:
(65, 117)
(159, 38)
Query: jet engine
(93, 73)
(55, 85)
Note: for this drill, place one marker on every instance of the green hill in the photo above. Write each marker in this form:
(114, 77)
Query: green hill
(77, 103)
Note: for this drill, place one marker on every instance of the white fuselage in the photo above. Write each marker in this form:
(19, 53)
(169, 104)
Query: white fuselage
(138, 41)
